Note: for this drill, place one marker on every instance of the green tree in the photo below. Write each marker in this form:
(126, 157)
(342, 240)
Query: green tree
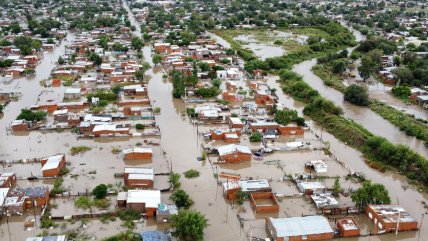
(189, 225)
(181, 199)
(157, 58)
(338, 66)
(28, 115)
(367, 67)
(96, 59)
(100, 191)
(401, 91)
(60, 60)
(357, 95)
(336, 186)
(1, 108)
(403, 75)
(370, 194)
(256, 137)
(137, 43)
(285, 116)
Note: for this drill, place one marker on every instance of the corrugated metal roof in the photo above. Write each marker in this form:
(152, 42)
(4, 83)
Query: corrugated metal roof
(298, 226)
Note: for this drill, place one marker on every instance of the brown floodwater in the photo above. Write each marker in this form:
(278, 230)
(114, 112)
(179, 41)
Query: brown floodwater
(180, 147)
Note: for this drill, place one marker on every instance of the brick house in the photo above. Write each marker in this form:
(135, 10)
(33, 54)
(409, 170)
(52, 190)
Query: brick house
(52, 166)
(348, 227)
(105, 129)
(137, 177)
(132, 111)
(20, 125)
(264, 207)
(291, 129)
(235, 122)
(234, 153)
(7, 179)
(137, 153)
(141, 201)
(386, 217)
(299, 228)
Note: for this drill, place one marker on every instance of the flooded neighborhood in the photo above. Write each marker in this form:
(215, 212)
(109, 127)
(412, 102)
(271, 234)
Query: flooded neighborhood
(213, 120)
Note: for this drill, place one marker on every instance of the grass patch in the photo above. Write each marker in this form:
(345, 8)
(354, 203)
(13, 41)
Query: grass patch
(79, 149)
(192, 173)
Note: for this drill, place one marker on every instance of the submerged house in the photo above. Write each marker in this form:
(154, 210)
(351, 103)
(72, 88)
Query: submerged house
(138, 177)
(234, 153)
(52, 166)
(299, 228)
(390, 217)
(137, 153)
(142, 201)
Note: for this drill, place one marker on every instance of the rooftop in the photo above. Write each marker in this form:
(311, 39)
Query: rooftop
(151, 198)
(297, 226)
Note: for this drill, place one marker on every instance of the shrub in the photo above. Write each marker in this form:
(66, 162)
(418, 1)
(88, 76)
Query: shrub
(174, 179)
(100, 191)
(28, 115)
(192, 173)
(181, 199)
(79, 149)
(140, 126)
(83, 202)
(256, 137)
(357, 95)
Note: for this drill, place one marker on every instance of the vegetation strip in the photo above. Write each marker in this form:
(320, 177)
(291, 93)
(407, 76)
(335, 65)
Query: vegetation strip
(407, 123)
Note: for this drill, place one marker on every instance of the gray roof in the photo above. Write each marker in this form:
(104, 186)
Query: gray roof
(297, 226)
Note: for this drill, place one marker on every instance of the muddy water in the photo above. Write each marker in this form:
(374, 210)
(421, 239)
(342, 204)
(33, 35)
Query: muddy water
(30, 88)
(261, 50)
(179, 140)
(381, 92)
(362, 115)
(396, 184)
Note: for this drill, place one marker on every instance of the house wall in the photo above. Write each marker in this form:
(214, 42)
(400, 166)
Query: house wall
(274, 208)
(137, 156)
(52, 172)
(295, 130)
(272, 233)
(236, 157)
(389, 226)
(347, 233)
(20, 127)
(137, 183)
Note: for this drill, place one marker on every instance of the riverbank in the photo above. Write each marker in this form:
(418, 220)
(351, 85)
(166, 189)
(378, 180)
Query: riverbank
(406, 123)
(326, 113)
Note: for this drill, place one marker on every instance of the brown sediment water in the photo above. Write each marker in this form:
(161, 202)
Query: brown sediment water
(362, 115)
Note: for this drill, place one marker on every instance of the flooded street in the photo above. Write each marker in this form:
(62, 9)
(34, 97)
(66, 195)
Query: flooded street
(396, 184)
(179, 147)
(30, 88)
(362, 115)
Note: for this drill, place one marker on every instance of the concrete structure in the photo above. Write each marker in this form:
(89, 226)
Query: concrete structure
(299, 228)
(386, 218)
